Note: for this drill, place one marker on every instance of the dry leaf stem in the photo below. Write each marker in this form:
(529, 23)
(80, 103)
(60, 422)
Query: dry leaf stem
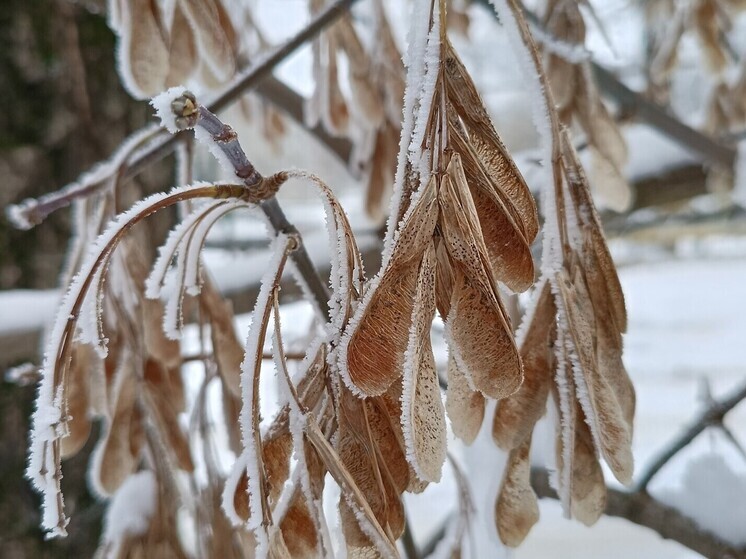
(264, 188)
(554, 124)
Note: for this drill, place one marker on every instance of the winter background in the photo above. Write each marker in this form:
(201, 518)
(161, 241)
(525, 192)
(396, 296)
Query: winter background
(685, 294)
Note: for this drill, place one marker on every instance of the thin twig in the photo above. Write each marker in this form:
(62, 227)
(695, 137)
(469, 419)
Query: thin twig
(640, 508)
(267, 356)
(189, 115)
(712, 415)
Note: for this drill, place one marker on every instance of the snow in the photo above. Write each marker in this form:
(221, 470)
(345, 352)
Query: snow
(25, 310)
(612, 538)
(130, 509)
(686, 329)
(17, 214)
(714, 496)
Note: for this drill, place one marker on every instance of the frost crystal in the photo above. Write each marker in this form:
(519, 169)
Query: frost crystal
(162, 105)
(415, 63)
(710, 487)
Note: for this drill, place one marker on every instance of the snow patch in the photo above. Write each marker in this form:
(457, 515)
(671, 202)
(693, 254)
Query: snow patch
(162, 105)
(714, 496)
(130, 510)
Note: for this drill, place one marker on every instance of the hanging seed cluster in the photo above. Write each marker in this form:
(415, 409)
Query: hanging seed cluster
(361, 408)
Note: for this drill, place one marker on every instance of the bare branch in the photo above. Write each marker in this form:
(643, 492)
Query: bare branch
(711, 416)
(642, 509)
(631, 102)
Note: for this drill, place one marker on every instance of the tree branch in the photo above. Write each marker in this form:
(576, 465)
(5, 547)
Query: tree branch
(631, 102)
(712, 415)
(642, 509)
(35, 211)
(407, 540)
(188, 114)
(251, 77)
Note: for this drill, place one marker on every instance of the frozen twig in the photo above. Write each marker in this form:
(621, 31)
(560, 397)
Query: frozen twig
(640, 508)
(713, 415)
(179, 111)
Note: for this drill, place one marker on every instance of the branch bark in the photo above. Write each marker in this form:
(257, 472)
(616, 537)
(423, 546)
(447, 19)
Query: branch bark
(227, 141)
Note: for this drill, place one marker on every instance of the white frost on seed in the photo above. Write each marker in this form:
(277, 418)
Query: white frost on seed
(414, 61)
(250, 459)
